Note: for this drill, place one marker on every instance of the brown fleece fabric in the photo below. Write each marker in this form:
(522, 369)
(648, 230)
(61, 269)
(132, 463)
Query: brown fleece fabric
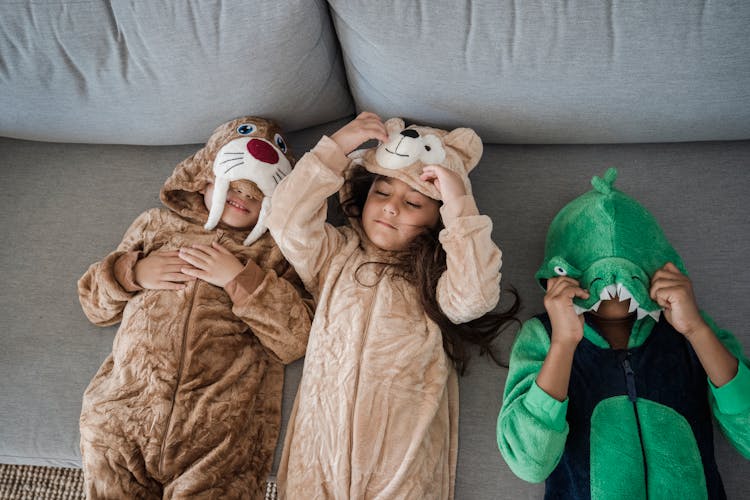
(188, 405)
(376, 414)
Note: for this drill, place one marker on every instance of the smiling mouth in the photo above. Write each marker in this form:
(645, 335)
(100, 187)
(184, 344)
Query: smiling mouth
(397, 154)
(237, 206)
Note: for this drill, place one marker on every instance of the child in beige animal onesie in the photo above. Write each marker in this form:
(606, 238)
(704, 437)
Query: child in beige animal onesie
(188, 405)
(376, 415)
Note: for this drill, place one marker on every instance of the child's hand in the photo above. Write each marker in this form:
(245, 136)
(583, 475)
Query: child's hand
(673, 291)
(449, 183)
(213, 264)
(161, 271)
(567, 325)
(364, 127)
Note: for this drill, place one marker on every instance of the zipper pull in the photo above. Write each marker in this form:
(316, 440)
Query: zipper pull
(629, 378)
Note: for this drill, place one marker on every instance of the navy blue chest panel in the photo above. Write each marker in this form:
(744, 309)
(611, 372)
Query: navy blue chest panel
(664, 369)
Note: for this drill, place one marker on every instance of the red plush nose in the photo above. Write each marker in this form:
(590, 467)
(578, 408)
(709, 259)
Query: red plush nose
(262, 151)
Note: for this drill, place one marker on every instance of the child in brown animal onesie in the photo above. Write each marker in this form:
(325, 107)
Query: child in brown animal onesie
(376, 414)
(189, 402)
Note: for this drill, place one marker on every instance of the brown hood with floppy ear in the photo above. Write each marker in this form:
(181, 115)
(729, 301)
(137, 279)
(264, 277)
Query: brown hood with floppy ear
(409, 149)
(181, 191)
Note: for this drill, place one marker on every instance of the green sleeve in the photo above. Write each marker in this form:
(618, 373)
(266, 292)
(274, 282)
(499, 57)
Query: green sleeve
(730, 403)
(531, 427)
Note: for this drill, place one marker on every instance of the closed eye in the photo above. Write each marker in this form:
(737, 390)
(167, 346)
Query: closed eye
(414, 205)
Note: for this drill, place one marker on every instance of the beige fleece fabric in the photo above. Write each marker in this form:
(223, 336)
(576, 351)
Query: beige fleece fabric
(188, 405)
(376, 414)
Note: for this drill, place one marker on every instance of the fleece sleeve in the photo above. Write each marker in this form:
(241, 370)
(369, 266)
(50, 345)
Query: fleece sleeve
(275, 307)
(108, 285)
(731, 402)
(299, 209)
(531, 428)
(470, 285)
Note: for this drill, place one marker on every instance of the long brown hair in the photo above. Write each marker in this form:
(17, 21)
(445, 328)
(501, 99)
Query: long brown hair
(422, 264)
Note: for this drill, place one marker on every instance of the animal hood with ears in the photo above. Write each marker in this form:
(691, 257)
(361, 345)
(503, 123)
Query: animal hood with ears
(409, 149)
(245, 149)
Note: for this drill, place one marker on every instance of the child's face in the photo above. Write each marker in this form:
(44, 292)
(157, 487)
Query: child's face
(240, 210)
(394, 214)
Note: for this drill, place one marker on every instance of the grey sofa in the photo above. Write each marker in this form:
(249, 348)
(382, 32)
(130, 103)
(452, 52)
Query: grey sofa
(99, 100)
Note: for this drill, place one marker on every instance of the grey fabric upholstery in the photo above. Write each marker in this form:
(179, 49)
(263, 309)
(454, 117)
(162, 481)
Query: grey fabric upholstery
(65, 206)
(554, 72)
(135, 72)
(625, 84)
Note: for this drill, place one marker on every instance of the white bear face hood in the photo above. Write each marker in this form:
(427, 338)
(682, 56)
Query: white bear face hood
(409, 149)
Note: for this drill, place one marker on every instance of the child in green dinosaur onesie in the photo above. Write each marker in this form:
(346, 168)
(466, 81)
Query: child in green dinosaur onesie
(607, 397)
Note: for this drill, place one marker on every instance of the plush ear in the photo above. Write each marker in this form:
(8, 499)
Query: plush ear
(394, 125)
(468, 144)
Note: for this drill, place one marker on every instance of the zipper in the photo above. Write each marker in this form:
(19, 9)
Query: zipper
(633, 398)
(356, 380)
(180, 368)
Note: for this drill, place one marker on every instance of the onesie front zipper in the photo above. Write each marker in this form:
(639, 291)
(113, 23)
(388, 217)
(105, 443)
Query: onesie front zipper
(633, 398)
(356, 380)
(180, 368)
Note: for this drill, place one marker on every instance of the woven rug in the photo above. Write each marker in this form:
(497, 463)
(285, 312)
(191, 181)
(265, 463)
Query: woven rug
(22, 482)
(28, 482)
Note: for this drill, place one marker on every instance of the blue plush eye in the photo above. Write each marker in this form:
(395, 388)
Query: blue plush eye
(246, 129)
(560, 271)
(280, 143)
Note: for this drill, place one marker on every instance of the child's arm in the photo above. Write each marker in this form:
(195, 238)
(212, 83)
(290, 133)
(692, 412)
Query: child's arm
(299, 204)
(108, 285)
(673, 291)
(718, 351)
(470, 286)
(567, 332)
(730, 403)
(531, 428)
(268, 303)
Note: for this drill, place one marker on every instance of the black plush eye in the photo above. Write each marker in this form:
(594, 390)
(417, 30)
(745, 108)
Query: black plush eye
(246, 129)
(280, 143)
(428, 148)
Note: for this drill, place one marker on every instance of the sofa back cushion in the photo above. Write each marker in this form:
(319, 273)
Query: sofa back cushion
(164, 72)
(554, 72)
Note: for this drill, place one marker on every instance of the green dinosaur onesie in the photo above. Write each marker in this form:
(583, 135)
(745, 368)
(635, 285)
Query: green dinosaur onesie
(637, 422)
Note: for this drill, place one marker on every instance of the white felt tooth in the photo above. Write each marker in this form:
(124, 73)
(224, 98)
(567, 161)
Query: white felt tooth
(221, 186)
(604, 295)
(633, 305)
(623, 293)
(641, 313)
(655, 314)
(595, 307)
(578, 309)
(612, 289)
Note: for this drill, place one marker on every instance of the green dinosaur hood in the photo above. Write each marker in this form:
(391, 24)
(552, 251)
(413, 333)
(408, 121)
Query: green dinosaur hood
(611, 244)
